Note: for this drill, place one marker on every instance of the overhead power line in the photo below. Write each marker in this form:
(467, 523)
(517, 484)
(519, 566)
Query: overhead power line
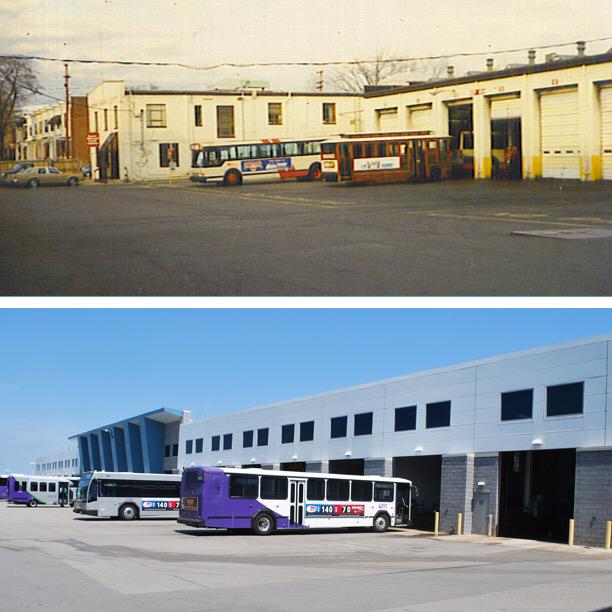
(279, 64)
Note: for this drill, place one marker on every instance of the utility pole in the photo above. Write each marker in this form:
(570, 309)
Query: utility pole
(320, 80)
(67, 121)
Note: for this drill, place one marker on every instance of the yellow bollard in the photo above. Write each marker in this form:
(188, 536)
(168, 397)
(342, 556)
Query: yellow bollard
(436, 522)
(490, 526)
(608, 534)
(570, 538)
(459, 523)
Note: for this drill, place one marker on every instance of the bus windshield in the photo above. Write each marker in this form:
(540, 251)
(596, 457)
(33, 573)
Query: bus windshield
(84, 485)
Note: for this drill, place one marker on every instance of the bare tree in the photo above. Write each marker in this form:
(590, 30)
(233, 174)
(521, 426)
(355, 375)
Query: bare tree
(355, 77)
(17, 82)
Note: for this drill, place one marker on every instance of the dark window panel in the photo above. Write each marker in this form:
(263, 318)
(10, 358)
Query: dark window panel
(288, 434)
(227, 441)
(438, 415)
(307, 431)
(262, 436)
(405, 418)
(517, 405)
(247, 439)
(363, 424)
(215, 443)
(338, 427)
(565, 399)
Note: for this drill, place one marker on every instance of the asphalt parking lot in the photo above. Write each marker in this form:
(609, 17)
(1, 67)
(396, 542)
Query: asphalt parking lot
(434, 239)
(51, 558)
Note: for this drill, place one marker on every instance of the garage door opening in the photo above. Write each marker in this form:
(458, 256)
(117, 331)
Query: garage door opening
(506, 151)
(352, 467)
(537, 494)
(460, 129)
(294, 466)
(425, 474)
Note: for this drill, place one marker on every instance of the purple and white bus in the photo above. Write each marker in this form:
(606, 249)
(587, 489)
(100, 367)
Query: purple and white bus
(33, 490)
(4, 486)
(268, 500)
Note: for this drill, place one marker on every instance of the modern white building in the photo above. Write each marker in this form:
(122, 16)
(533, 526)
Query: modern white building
(63, 463)
(524, 437)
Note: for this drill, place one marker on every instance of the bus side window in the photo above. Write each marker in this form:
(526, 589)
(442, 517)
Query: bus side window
(382, 149)
(265, 150)
(244, 487)
(357, 150)
(337, 490)
(33, 486)
(383, 492)
(51, 487)
(43, 487)
(315, 489)
(361, 490)
(394, 149)
(314, 147)
(369, 150)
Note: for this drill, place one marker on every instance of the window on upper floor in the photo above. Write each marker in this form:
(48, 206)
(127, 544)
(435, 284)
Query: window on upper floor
(517, 405)
(167, 450)
(287, 434)
(329, 112)
(338, 427)
(275, 113)
(437, 415)
(188, 447)
(247, 439)
(565, 399)
(156, 115)
(363, 424)
(262, 436)
(197, 115)
(405, 418)
(215, 443)
(227, 441)
(175, 450)
(199, 445)
(307, 431)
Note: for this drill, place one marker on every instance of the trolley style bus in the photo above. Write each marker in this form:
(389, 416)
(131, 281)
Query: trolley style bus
(267, 500)
(33, 490)
(3, 486)
(261, 160)
(128, 495)
(386, 158)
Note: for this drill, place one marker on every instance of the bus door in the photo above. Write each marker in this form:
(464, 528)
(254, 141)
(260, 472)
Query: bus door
(418, 156)
(345, 167)
(402, 504)
(297, 490)
(62, 493)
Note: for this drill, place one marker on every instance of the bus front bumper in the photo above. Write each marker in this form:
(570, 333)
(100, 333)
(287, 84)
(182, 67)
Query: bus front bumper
(192, 522)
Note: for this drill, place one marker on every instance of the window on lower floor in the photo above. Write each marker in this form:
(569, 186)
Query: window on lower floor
(168, 154)
(437, 415)
(517, 405)
(565, 399)
(363, 424)
(405, 418)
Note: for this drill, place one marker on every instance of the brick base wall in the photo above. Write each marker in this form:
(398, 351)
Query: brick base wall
(456, 491)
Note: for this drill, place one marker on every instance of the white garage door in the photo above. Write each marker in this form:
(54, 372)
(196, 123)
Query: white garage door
(505, 108)
(388, 120)
(560, 136)
(606, 132)
(421, 119)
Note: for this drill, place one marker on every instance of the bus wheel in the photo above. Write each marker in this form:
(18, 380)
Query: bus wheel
(314, 172)
(32, 503)
(128, 512)
(381, 523)
(263, 524)
(232, 179)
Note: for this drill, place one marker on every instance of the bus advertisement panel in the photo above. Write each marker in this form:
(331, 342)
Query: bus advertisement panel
(128, 495)
(267, 500)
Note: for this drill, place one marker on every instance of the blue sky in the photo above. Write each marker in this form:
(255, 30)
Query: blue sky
(65, 371)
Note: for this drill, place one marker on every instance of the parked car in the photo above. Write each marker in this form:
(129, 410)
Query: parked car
(42, 175)
(18, 167)
(86, 171)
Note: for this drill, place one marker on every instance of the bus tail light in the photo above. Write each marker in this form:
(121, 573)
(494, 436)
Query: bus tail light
(189, 503)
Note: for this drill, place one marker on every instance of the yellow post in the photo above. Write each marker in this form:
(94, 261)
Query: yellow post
(436, 522)
(459, 523)
(570, 538)
(608, 534)
(490, 526)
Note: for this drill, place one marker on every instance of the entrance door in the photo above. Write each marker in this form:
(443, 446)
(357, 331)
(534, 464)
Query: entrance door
(480, 512)
(403, 499)
(346, 162)
(296, 502)
(62, 495)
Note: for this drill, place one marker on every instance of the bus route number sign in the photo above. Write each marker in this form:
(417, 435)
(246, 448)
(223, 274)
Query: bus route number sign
(335, 509)
(160, 504)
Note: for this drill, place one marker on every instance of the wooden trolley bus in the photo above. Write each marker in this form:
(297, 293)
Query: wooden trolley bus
(385, 158)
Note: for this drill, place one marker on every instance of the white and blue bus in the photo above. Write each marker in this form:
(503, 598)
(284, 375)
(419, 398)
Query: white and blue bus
(262, 160)
(33, 490)
(128, 495)
(266, 500)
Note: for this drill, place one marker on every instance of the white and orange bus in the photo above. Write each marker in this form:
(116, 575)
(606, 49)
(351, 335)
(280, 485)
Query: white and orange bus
(267, 159)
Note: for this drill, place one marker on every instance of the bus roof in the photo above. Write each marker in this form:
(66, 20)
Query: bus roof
(133, 475)
(371, 138)
(197, 146)
(262, 472)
